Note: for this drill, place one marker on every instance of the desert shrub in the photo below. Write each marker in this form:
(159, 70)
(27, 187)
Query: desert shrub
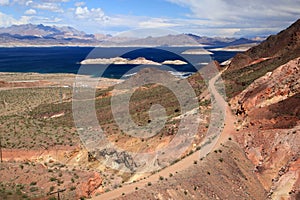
(33, 189)
(33, 183)
(53, 179)
(73, 188)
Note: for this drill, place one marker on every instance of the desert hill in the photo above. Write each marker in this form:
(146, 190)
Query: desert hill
(263, 91)
(267, 56)
(41, 35)
(266, 81)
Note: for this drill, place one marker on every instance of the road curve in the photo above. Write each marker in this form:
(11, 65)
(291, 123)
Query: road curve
(188, 161)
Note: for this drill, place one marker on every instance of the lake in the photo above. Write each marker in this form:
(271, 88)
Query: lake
(67, 59)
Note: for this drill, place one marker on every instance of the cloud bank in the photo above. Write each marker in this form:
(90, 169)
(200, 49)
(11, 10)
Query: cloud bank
(255, 17)
(203, 17)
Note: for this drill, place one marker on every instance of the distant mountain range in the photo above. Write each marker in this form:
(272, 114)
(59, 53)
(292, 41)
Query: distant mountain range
(40, 35)
(29, 34)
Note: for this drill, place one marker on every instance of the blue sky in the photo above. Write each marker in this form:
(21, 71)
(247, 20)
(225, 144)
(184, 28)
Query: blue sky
(234, 18)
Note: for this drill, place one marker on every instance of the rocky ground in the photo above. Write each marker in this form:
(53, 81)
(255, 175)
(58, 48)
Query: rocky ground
(43, 149)
(269, 113)
(223, 174)
(38, 156)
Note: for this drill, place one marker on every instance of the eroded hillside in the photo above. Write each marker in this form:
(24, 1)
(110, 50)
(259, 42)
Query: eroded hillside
(263, 88)
(269, 113)
(225, 173)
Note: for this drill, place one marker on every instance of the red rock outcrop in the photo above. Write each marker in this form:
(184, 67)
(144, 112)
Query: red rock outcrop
(91, 186)
(272, 88)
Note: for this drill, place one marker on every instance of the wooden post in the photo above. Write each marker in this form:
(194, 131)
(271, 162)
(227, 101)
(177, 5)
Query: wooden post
(57, 192)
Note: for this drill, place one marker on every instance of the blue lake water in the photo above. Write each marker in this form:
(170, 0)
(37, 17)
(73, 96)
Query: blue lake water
(67, 59)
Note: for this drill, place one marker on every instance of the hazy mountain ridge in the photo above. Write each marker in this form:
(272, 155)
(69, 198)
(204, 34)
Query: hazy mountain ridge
(219, 41)
(44, 31)
(41, 35)
(30, 35)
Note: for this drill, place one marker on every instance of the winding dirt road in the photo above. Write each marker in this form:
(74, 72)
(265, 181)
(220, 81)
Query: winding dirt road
(189, 160)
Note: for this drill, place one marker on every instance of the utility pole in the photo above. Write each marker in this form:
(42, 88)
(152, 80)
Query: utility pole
(1, 149)
(60, 93)
(57, 192)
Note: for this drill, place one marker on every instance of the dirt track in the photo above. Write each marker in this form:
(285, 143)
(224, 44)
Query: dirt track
(189, 160)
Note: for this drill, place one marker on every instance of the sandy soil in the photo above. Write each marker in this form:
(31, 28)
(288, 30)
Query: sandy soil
(35, 80)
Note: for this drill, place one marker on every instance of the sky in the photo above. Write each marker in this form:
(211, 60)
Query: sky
(224, 18)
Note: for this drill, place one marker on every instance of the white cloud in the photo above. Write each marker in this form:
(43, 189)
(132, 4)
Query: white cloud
(7, 20)
(58, 1)
(30, 12)
(205, 17)
(28, 3)
(4, 2)
(244, 15)
(235, 10)
(54, 7)
(94, 14)
(78, 4)
(45, 20)
(156, 23)
(82, 12)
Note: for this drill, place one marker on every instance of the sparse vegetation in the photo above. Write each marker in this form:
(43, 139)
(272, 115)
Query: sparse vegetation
(33, 183)
(53, 179)
(73, 188)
